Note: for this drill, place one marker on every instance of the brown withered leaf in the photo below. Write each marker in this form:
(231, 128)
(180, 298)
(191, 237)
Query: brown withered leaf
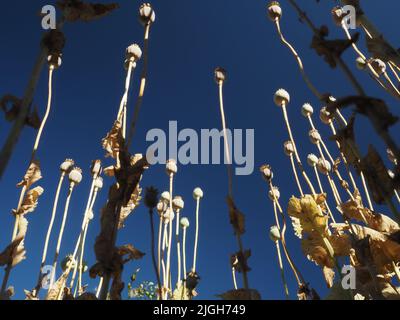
(306, 293)
(239, 261)
(11, 113)
(75, 10)
(58, 288)
(15, 251)
(380, 49)
(113, 142)
(376, 174)
(240, 294)
(7, 254)
(329, 275)
(236, 217)
(127, 209)
(30, 201)
(29, 295)
(131, 252)
(354, 209)
(32, 175)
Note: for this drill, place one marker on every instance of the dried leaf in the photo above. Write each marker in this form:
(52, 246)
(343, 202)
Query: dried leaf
(75, 10)
(132, 204)
(58, 288)
(113, 142)
(32, 175)
(30, 201)
(131, 252)
(236, 217)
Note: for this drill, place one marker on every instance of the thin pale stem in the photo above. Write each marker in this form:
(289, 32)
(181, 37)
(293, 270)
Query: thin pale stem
(234, 278)
(153, 254)
(278, 251)
(196, 235)
(168, 267)
(178, 246)
(184, 259)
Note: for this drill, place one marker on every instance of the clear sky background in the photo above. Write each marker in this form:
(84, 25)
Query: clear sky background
(188, 40)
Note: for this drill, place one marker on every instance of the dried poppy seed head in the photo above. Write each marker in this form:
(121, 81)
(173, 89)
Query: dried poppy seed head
(171, 167)
(169, 215)
(95, 167)
(146, 14)
(361, 63)
(151, 197)
(288, 147)
(314, 136)
(178, 203)
(325, 116)
(391, 174)
(307, 110)
(54, 60)
(220, 75)
(391, 156)
(338, 15)
(312, 160)
(266, 172)
(162, 206)
(165, 196)
(197, 193)
(133, 52)
(67, 165)
(274, 234)
(378, 65)
(274, 194)
(184, 222)
(324, 166)
(75, 176)
(274, 10)
(281, 97)
(98, 183)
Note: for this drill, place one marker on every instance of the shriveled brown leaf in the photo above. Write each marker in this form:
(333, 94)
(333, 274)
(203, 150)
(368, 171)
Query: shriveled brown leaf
(306, 293)
(329, 275)
(30, 201)
(130, 252)
(32, 175)
(58, 288)
(113, 142)
(11, 113)
(75, 10)
(127, 209)
(239, 261)
(236, 217)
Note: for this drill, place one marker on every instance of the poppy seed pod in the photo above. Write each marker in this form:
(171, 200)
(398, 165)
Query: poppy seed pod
(197, 193)
(274, 10)
(312, 160)
(54, 61)
(178, 203)
(98, 183)
(220, 75)
(67, 165)
(133, 52)
(266, 172)
(169, 215)
(314, 136)
(95, 168)
(391, 156)
(165, 196)
(324, 166)
(274, 234)
(361, 63)
(325, 116)
(75, 176)
(146, 14)
(162, 206)
(378, 65)
(274, 194)
(288, 147)
(184, 222)
(171, 167)
(281, 97)
(307, 110)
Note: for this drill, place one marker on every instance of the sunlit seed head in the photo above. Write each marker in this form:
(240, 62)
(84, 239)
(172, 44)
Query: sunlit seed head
(178, 203)
(171, 167)
(197, 193)
(54, 61)
(281, 97)
(162, 206)
(67, 165)
(95, 168)
(378, 65)
(288, 147)
(312, 160)
(314, 136)
(165, 196)
(391, 174)
(219, 75)
(274, 234)
(274, 193)
(146, 14)
(325, 116)
(307, 110)
(274, 10)
(98, 183)
(266, 172)
(361, 64)
(184, 222)
(324, 166)
(169, 215)
(133, 52)
(75, 176)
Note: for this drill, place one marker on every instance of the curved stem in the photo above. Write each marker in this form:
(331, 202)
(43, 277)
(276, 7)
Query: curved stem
(278, 251)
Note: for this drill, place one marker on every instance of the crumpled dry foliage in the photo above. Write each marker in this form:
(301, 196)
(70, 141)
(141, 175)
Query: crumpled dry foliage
(15, 251)
(130, 206)
(9, 292)
(32, 175)
(240, 294)
(236, 217)
(113, 142)
(306, 293)
(32, 119)
(57, 287)
(180, 293)
(75, 10)
(239, 261)
(30, 201)
(380, 49)
(354, 209)
(308, 215)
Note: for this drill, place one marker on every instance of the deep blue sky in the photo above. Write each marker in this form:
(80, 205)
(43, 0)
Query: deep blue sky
(188, 40)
